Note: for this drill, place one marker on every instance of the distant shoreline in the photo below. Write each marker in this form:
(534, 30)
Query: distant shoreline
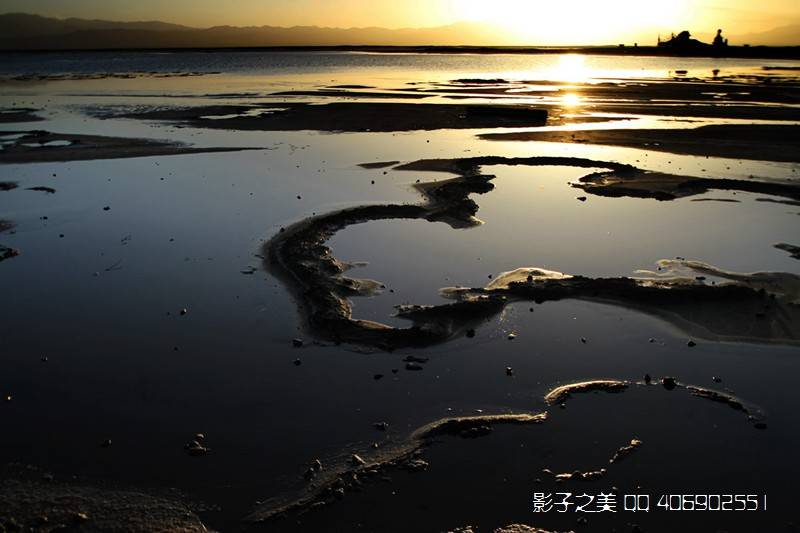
(730, 52)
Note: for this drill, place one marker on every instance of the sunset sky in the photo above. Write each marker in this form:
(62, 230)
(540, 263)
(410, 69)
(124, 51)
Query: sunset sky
(541, 22)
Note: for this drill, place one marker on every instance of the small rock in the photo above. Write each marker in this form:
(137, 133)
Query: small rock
(357, 460)
(581, 198)
(106, 208)
(583, 340)
(184, 311)
(470, 333)
(512, 336)
(195, 449)
(381, 426)
(417, 465)
(691, 344)
(106, 443)
(414, 366)
(376, 377)
(297, 362)
(509, 371)
(647, 379)
(297, 343)
(717, 379)
(668, 382)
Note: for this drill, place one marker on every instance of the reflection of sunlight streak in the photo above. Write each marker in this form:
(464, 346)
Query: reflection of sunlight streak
(571, 100)
(571, 68)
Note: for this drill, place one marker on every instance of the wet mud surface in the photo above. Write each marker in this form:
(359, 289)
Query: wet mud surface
(346, 116)
(770, 143)
(44, 146)
(18, 114)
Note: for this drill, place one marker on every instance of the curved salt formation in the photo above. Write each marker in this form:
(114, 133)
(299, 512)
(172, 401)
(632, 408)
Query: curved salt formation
(761, 304)
(334, 481)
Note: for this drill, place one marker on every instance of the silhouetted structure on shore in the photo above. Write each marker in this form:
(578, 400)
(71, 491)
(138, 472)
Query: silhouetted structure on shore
(684, 44)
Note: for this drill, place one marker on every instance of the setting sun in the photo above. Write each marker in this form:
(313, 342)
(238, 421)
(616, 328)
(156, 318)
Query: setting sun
(571, 21)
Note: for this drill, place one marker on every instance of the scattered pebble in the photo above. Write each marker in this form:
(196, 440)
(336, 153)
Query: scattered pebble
(196, 449)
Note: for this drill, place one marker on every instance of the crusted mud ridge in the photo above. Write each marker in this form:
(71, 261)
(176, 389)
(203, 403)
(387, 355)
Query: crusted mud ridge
(326, 485)
(757, 306)
(329, 484)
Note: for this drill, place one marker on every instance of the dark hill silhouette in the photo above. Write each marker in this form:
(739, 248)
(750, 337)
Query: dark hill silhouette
(20, 31)
(32, 32)
(22, 25)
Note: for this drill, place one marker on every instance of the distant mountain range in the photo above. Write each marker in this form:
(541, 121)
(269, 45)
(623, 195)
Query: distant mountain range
(20, 31)
(32, 32)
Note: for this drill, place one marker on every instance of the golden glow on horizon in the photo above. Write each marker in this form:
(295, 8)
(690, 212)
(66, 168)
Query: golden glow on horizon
(573, 21)
(498, 22)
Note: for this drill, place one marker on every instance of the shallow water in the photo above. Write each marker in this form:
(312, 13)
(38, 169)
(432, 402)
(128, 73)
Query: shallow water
(102, 302)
